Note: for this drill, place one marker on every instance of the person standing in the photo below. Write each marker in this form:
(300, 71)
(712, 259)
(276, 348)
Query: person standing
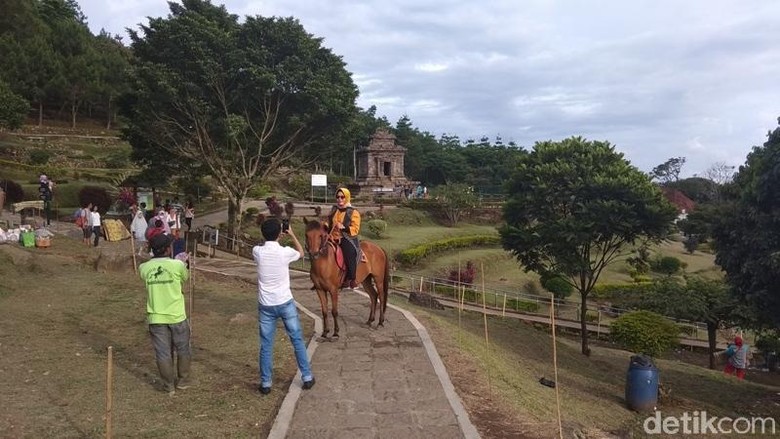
(94, 223)
(275, 302)
(86, 216)
(45, 193)
(737, 354)
(345, 228)
(169, 328)
(189, 214)
(138, 228)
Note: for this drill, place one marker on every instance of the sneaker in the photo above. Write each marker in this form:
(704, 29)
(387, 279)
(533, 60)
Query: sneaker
(183, 385)
(308, 384)
(265, 390)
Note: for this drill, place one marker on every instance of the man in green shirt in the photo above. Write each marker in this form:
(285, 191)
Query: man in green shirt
(167, 318)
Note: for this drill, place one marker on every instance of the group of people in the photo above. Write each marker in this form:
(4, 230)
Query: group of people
(88, 219)
(166, 313)
(166, 220)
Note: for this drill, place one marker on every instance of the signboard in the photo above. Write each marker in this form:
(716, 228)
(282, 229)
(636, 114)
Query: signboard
(319, 180)
(146, 197)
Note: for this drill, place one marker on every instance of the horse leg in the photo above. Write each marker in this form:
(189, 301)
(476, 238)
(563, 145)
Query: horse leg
(369, 287)
(382, 299)
(334, 310)
(323, 296)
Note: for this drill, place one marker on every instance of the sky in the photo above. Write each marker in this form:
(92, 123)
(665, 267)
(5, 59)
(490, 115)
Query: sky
(657, 79)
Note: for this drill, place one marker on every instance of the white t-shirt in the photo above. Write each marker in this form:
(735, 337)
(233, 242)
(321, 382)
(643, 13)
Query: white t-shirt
(94, 219)
(273, 272)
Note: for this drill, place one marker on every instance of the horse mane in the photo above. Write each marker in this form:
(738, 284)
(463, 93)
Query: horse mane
(314, 224)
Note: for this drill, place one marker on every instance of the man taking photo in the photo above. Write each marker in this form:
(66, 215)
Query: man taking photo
(275, 301)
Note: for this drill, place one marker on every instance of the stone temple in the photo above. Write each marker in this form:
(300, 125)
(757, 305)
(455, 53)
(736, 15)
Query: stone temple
(380, 166)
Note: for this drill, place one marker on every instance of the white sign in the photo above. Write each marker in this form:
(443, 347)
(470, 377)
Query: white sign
(319, 180)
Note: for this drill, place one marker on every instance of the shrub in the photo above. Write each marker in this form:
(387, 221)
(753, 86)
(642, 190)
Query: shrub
(522, 305)
(415, 254)
(645, 332)
(96, 195)
(117, 160)
(531, 287)
(274, 208)
(691, 243)
(556, 284)
(258, 191)
(377, 227)
(13, 191)
(667, 265)
(39, 156)
(465, 276)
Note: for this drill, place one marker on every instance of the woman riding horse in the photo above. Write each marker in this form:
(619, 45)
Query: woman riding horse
(344, 221)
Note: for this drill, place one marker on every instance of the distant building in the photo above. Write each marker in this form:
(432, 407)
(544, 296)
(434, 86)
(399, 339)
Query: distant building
(380, 166)
(679, 200)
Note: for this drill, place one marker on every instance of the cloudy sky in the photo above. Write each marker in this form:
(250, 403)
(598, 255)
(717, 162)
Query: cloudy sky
(659, 79)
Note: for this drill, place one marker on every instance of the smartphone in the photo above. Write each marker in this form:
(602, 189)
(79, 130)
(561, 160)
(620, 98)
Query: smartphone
(285, 225)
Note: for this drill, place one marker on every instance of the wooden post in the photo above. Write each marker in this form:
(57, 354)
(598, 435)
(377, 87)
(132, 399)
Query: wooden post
(109, 391)
(555, 366)
(192, 292)
(484, 319)
(460, 300)
(503, 309)
(598, 327)
(132, 251)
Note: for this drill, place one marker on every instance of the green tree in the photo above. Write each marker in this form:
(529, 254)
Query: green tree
(573, 205)
(111, 68)
(13, 108)
(241, 98)
(454, 199)
(747, 238)
(696, 299)
(668, 171)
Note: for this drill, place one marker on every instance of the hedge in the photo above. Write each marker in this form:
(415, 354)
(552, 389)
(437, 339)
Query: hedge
(413, 255)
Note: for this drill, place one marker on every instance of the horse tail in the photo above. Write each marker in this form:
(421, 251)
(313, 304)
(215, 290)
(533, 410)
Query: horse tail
(386, 281)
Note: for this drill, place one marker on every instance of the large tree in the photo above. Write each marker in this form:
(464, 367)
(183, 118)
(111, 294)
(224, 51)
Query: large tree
(747, 236)
(668, 171)
(573, 205)
(696, 299)
(243, 99)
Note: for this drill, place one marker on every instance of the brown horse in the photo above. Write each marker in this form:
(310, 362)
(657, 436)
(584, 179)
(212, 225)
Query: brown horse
(373, 273)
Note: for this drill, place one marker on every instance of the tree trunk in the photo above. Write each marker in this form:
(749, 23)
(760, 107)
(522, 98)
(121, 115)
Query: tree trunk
(231, 222)
(584, 324)
(712, 333)
(108, 123)
(40, 113)
(73, 114)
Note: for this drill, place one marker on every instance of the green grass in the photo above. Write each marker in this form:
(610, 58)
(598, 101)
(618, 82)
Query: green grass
(592, 388)
(57, 317)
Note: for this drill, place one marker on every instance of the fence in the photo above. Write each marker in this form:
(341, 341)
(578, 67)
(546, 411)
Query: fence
(496, 299)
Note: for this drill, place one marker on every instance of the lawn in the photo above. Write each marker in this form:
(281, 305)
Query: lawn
(57, 317)
(500, 383)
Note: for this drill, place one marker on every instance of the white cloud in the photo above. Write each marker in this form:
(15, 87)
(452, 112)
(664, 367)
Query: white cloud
(658, 78)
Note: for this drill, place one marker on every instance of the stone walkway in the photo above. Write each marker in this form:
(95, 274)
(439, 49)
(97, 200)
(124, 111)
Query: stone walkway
(371, 383)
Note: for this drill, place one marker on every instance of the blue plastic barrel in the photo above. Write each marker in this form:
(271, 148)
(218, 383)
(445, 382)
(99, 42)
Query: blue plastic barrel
(642, 384)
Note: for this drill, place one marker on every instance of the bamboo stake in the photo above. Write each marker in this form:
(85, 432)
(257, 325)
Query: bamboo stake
(555, 366)
(460, 299)
(484, 319)
(192, 292)
(109, 391)
(132, 250)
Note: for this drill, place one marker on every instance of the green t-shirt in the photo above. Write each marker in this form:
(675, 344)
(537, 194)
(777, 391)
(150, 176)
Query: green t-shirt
(165, 301)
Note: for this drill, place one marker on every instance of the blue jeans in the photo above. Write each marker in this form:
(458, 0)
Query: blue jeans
(267, 317)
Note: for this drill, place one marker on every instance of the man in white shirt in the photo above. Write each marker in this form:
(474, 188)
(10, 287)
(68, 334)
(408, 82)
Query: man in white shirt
(275, 301)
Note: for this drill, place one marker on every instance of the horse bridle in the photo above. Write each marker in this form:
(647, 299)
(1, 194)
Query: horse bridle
(323, 250)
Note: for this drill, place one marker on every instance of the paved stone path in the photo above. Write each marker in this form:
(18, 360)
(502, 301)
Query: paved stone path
(371, 383)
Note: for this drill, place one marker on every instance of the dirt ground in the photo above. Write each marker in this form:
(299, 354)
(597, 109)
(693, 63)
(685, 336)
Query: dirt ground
(60, 308)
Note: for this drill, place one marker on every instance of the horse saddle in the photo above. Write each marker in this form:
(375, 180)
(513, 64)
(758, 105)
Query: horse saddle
(340, 258)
